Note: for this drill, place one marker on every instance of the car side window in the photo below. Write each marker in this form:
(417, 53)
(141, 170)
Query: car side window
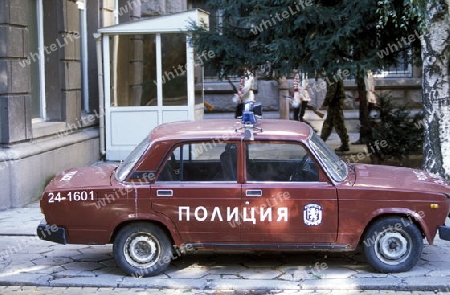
(277, 161)
(201, 161)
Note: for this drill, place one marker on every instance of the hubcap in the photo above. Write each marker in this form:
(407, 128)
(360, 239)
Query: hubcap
(393, 248)
(141, 250)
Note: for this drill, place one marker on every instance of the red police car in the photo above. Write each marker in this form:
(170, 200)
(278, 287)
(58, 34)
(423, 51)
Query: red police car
(232, 184)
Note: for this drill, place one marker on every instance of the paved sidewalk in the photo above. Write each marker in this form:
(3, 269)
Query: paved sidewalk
(27, 261)
(26, 290)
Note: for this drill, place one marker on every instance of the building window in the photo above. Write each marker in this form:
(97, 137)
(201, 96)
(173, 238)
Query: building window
(43, 40)
(84, 55)
(36, 59)
(402, 69)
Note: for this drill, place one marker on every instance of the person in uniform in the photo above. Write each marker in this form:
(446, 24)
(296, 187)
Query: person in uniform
(334, 102)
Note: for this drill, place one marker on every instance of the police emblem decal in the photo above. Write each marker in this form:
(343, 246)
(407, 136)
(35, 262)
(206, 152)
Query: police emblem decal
(312, 214)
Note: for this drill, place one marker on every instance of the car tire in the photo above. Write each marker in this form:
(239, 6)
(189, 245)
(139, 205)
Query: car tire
(142, 249)
(393, 244)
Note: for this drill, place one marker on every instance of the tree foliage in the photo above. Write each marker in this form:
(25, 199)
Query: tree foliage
(399, 128)
(306, 35)
(311, 36)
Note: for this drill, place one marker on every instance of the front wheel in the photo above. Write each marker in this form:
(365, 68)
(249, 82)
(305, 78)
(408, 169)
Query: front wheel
(393, 244)
(142, 249)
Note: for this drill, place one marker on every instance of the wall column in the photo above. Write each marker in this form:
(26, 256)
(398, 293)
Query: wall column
(15, 98)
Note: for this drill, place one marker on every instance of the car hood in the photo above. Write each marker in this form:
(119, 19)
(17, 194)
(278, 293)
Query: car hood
(84, 177)
(398, 178)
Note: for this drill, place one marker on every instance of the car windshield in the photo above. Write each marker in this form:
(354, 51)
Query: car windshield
(126, 166)
(336, 168)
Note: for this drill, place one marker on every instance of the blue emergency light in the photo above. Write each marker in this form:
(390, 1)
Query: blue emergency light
(251, 111)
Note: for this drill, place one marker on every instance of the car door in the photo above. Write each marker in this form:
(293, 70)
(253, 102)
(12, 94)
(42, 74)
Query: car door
(286, 199)
(197, 189)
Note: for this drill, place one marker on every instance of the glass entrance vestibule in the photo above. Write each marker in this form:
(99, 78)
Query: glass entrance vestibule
(151, 75)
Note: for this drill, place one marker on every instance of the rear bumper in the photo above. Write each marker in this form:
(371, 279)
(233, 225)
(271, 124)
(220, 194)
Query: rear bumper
(444, 232)
(51, 233)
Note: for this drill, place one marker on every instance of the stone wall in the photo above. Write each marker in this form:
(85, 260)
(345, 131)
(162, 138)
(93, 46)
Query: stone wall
(161, 7)
(106, 13)
(15, 100)
(401, 90)
(26, 168)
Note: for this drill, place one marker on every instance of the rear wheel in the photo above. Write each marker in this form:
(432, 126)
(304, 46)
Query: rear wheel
(142, 249)
(393, 244)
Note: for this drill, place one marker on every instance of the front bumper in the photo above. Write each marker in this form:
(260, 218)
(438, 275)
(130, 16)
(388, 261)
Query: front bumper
(444, 232)
(51, 232)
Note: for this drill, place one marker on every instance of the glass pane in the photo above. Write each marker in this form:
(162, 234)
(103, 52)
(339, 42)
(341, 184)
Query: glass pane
(133, 70)
(198, 80)
(335, 167)
(174, 76)
(34, 65)
(119, 71)
(203, 161)
(275, 151)
(125, 167)
(279, 162)
(149, 91)
(171, 169)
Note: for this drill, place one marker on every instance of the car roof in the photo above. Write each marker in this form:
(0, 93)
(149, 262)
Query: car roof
(225, 129)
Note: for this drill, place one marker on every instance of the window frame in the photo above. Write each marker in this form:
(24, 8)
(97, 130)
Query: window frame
(183, 160)
(394, 72)
(297, 143)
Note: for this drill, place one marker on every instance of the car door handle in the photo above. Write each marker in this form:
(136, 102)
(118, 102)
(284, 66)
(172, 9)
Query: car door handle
(253, 193)
(164, 193)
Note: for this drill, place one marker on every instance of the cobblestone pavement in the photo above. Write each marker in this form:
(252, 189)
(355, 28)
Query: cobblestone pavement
(32, 262)
(27, 261)
(142, 291)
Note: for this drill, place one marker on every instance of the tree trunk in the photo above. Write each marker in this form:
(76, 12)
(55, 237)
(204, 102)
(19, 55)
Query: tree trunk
(283, 89)
(365, 132)
(436, 89)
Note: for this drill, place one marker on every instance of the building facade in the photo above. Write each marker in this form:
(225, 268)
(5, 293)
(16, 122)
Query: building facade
(48, 92)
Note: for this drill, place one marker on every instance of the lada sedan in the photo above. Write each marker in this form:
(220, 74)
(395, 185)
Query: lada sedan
(221, 184)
